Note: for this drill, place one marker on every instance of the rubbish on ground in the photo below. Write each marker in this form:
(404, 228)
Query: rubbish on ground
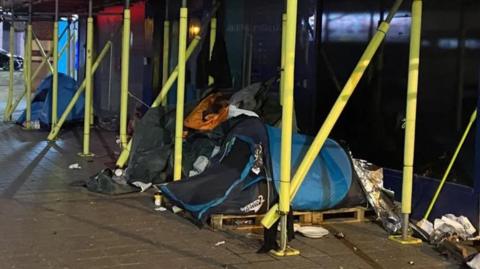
(467, 225)
(418, 232)
(454, 237)
(312, 231)
(371, 178)
(74, 166)
(121, 180)
(160, 208)
(426, 226)
(447, 226)
(476, 238)
(340, 235)
(296, 226)
(459, 250)
(118, 172)
(35, 125)
(143, 186)
(411, 262)
(106, 182)
(176, 209)
(219, 243)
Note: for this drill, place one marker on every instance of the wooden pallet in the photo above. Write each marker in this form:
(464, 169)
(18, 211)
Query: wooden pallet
(250, 222)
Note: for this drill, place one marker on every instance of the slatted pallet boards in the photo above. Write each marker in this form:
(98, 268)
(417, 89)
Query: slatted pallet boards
(250, 222)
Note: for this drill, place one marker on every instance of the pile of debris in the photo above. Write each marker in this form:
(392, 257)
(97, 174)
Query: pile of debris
(454, 237)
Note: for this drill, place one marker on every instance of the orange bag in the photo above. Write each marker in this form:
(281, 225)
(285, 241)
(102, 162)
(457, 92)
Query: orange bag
(208, 114)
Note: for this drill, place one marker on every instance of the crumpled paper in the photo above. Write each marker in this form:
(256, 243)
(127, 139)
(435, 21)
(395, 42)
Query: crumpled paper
(446, 226)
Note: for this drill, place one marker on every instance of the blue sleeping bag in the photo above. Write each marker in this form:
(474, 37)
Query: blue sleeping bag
(329, 179)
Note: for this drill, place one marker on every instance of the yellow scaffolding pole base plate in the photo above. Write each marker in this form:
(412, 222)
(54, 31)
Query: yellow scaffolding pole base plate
(284, 253)
(86, 155)
(410, 240)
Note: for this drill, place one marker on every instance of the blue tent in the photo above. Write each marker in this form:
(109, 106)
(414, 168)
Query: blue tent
(329, 180)
(42, 101)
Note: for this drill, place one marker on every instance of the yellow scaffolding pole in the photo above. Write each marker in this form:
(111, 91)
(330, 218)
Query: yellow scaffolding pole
(75, 41)
(273, 214)
(124, 81)
(27, 75)
(88, 86)
(182, 48)
(473, 118)
(67, 47)
(213, 35)
(19, 99)
(288, 77)
(45, 57)
(174, 75)
(92, 112)
(55, 70)
(35, 74)
(213, 32)
(408, 158)
(166, 55)
(282, 59)
(213, 38)
(56, 130)
(122, 159)
(11, 69)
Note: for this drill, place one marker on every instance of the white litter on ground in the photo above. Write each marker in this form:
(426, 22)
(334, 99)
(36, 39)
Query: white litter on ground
(426, 226)
(312, 231)
(143, 186)
(176, 209)
(118, 172)
(448, 224)
(220, 243)
(75, 166)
